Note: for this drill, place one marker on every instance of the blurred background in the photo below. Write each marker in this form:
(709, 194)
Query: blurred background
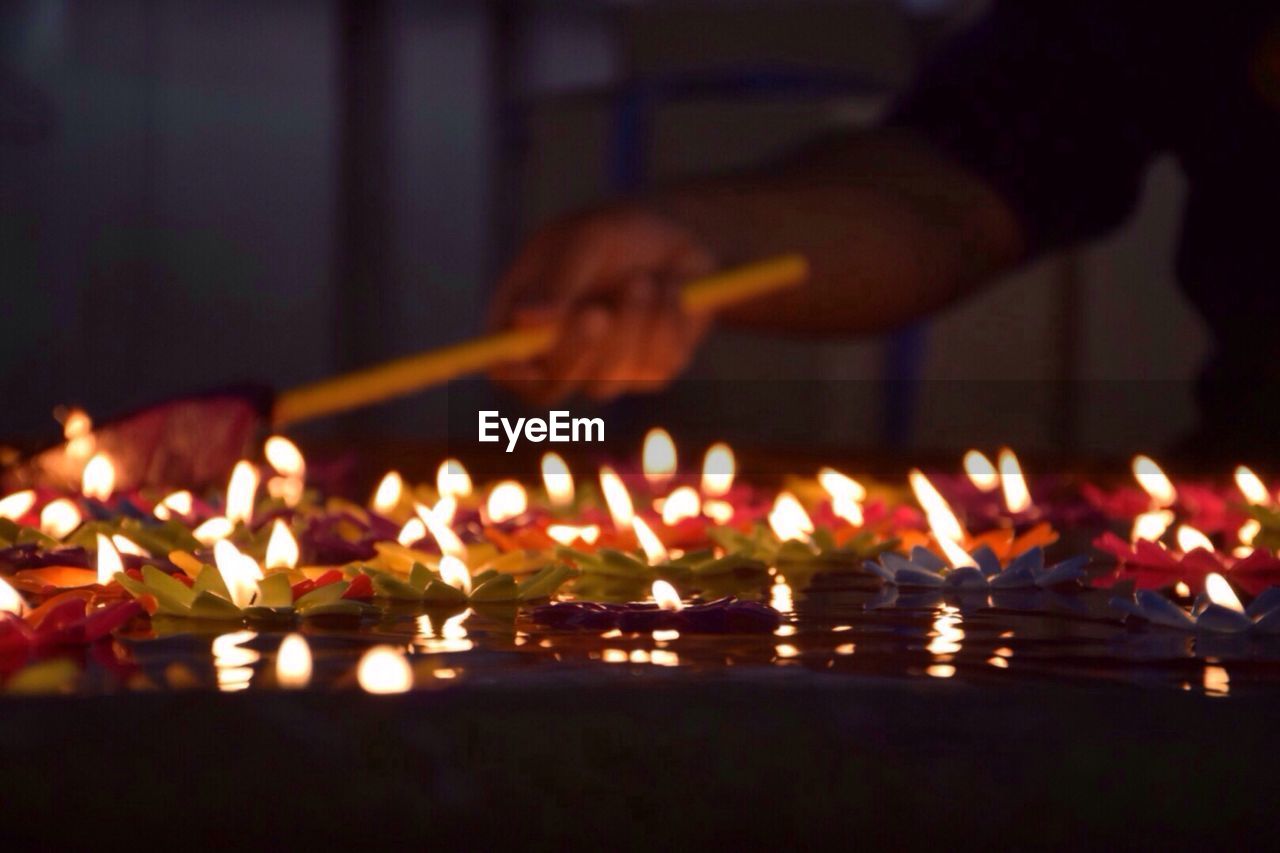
(195, 193)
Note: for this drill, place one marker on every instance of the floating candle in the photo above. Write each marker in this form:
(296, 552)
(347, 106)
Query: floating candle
(1251, 486)
(1154, 481)
(980, 471)
(60, 518)
(507, 500)
(452, 479)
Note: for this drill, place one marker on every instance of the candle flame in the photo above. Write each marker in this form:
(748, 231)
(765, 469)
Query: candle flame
(1249, 531)
(214, 530)
(718, 469)
(60, 518)
(654, 551)
(557, 479)
(956, 555)
(293, 662)
(413, 531)
(1017, 498)
(788, 519)
(658, 460)
(77, 429)
(384, 670)
(448, 541)
(1221, 593)
(452, 479)
(282, 547)
(10, 600)
(444, 510)
(455, 573)
(567, 534)
(942, 521)
(721, 512)
(387, 496)
(666, 596)
(845, 507)
(1151, 525)
(284, 456)
(839, 485)
(125, 545)
(1251, 486)
(507, 500)
(241, 491)
(681, 504)
(1181, 590)
(174, 503)
(617, 498)
(240, 572)
(1154, 481)
(99, 477)
(109, 562)
(18, 504)
(1189, 539)
(981, 472)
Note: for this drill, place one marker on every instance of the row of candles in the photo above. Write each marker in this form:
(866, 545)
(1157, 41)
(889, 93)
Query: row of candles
(712, 502)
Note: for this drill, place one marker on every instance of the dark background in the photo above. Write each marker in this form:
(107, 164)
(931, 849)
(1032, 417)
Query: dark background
(194, 193)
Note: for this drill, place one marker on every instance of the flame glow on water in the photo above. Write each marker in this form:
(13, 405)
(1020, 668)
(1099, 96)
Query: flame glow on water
(232, 662)
(1153, 480)
(780, 597)
(450, 637)
(946, 635)
(384, 670)
(293, 662)
(718, 470)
